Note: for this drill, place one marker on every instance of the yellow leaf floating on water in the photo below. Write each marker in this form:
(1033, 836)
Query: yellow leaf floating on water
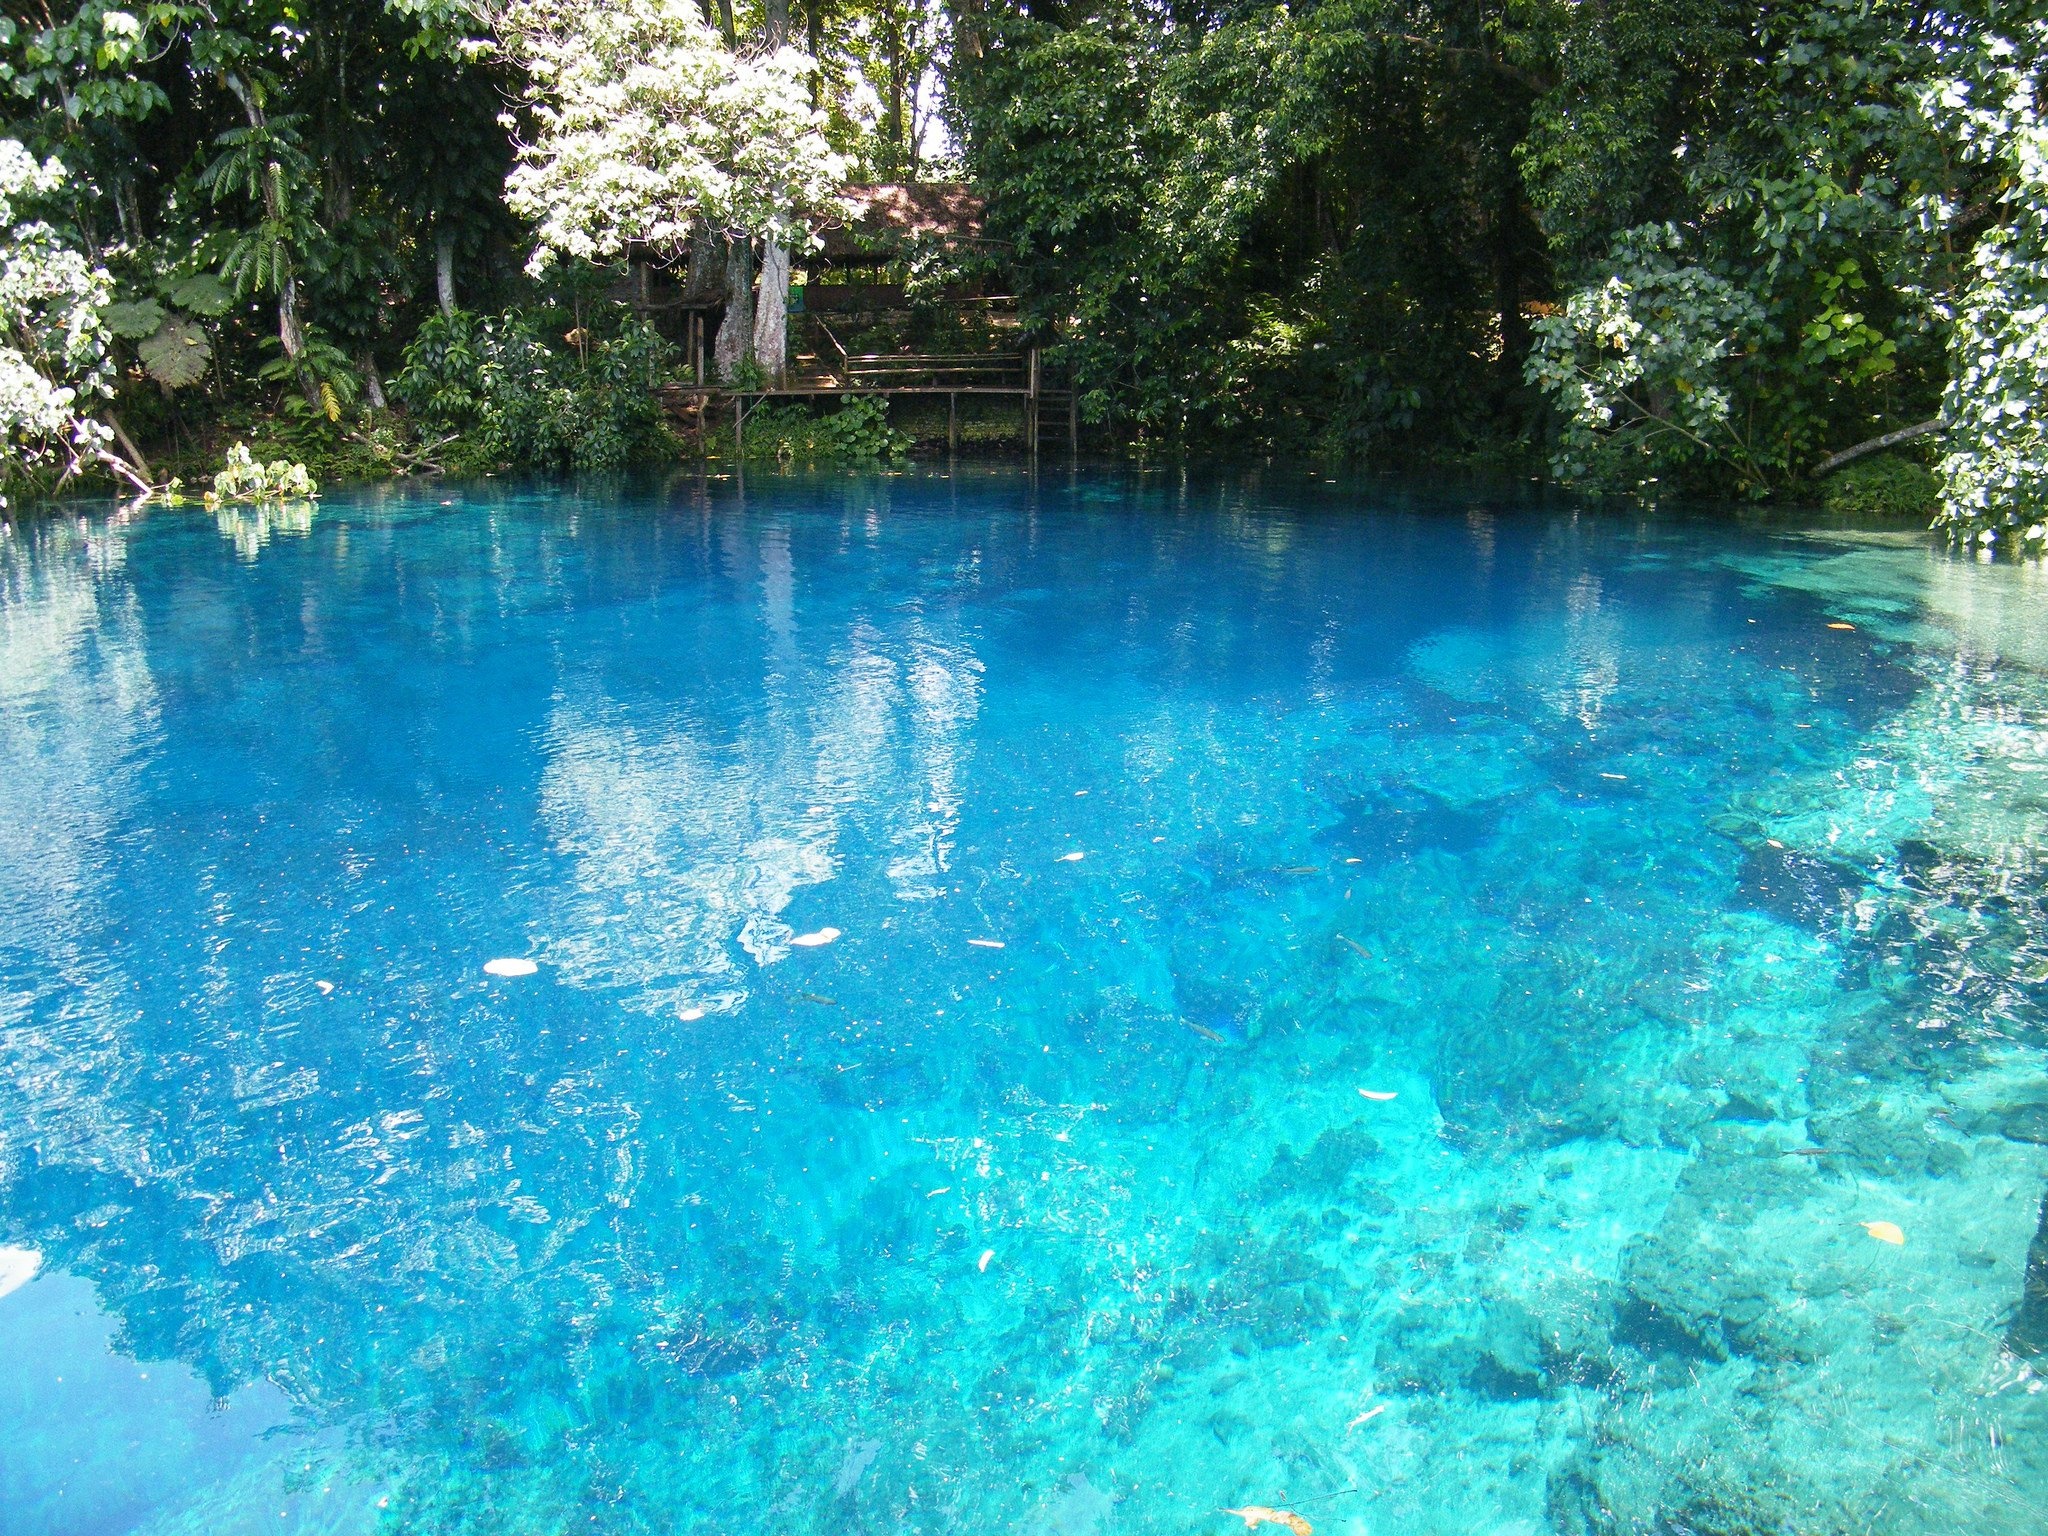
(1886, 1232)
(1377, 1095)
(1839, 625)
(1256, 1515)
(813, 940)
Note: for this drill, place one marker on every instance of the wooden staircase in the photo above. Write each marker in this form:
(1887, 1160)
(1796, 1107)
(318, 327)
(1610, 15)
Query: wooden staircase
(1055, 420)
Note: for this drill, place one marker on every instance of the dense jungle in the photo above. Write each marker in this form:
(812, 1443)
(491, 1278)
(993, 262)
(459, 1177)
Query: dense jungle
(1794, 251)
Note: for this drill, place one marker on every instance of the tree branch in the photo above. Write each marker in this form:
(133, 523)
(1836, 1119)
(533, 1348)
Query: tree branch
(1835, 461)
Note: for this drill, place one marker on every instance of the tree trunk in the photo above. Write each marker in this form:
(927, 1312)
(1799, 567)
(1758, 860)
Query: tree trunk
(771, 313)
(774, 23)
(1835, 461)
(290, 332)
(444, 270)
(736, 330)
(725, 26)
(373, 387)
(704, 279)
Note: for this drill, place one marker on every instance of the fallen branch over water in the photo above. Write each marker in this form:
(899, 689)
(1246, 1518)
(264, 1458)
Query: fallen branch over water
(1835, 461)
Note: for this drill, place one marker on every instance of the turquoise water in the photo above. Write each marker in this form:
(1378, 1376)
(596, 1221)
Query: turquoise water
(1394, 1006)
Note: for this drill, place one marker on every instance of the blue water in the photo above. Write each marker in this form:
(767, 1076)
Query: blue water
(1397, 1005)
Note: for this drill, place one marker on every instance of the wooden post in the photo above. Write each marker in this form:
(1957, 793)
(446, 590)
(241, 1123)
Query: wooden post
(952, 421)
(1031, 404)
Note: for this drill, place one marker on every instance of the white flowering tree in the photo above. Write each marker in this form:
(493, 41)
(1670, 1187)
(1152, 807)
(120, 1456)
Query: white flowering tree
(54, 366)
(1995, 470)
(648, 128)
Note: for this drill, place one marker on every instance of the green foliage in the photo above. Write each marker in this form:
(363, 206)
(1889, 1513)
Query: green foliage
(1885, 488)
(134, 319)
(858, 432)
(1995, 472)
(1641, 369)
(521, 402)
(243, 478)
(176, 353)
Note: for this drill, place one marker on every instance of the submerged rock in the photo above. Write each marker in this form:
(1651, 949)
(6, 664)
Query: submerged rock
(2028, 1335)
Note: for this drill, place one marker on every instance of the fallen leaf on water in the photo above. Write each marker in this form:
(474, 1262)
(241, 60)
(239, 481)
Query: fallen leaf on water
(987, 1254)
(1378, 1096)
(324, 986)
(813, 940)
(1368, 1415)
(933, 1194)
(1839, 625)
(509, 967)
(1886, 1232)
(1071, 858)
(986, 943)
(1256, 1515)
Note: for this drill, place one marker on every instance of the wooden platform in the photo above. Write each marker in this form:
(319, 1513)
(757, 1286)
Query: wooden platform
(1016, 376)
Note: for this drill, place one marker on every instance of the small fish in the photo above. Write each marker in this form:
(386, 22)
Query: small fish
(1622, 777)
(986, 1255)
(1070, 858)
(1301, 869)
(1838, 624)
(1206, 1034)
(813, 940)
(1808, 1152)
(509, 967)
(1256, 1515)
(1344, 939)
(1377, 1095)
(943, 1189)
(986, 943)
(1885, 1232)
(812, 997)
(1367, 1417)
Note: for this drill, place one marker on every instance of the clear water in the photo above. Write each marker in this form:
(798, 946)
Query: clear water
(1513, 951)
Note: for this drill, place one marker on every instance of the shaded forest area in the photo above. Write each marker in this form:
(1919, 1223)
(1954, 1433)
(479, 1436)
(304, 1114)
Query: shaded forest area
(1723, 249)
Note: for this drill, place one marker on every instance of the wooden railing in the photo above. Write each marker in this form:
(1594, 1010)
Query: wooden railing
(918, 370)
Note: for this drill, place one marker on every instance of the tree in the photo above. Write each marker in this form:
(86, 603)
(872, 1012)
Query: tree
(54, 364)
(648, 128)
(1995, 472)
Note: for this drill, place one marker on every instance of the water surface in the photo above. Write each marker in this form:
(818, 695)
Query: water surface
(1422, 1008)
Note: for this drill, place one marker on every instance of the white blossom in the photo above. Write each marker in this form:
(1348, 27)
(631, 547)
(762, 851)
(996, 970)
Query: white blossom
(53, 343)
(648, 126)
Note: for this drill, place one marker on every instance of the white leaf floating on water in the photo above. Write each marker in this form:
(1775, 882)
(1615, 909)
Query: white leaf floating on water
(813, 940)
(18, 1266)
(1072, 858)
(1377, 1095)
(510, 967)
(987, 1254)
(986, 943)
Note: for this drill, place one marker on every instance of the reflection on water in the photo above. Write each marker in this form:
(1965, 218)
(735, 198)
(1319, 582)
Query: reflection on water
(1520, 973)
